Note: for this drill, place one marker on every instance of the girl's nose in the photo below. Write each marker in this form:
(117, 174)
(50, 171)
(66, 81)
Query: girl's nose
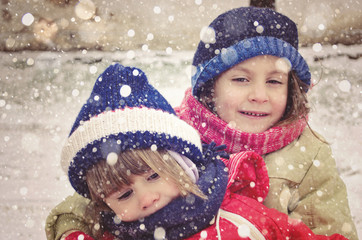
(148, 199)
(258, 94)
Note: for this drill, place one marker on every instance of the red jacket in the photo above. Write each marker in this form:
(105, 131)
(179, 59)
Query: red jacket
(241, 215)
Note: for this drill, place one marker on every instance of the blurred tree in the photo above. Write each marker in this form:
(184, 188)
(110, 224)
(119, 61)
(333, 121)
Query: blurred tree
(263, 3)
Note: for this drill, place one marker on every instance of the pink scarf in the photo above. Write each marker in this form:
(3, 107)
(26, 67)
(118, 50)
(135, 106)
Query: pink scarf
(212, 128)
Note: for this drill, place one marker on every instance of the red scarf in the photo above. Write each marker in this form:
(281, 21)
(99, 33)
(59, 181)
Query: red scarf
(212, 128)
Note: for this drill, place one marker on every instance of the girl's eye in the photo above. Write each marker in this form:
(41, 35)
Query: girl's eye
(153, 176)
(274, 82)
(240, 79)
(126, 195)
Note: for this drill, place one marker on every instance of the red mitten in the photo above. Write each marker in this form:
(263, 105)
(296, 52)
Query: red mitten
(78, 235)
(248, 175)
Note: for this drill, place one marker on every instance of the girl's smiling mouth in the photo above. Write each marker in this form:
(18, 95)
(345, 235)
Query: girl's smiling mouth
(254, 114)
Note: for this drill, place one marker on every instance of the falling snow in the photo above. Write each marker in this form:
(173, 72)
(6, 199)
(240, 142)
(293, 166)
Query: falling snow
(38, 106)
(112, 158)
(344, 86)
(27, 19)
(42, 92)
(159, 233)
(125, 91)
(244, 231)
(85, 9)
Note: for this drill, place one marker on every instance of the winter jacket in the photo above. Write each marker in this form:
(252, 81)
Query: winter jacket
(66, 216)
(240, 215)
(304, 181)
(244, 218)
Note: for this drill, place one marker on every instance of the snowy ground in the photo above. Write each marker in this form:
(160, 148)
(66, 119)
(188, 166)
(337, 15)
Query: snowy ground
(41, 94)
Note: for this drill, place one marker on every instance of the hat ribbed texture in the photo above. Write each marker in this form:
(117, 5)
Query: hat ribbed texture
(124, 112)
(119, 87)
(244, 33)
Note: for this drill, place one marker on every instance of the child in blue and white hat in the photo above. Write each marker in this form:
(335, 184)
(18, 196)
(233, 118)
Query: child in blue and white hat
(130, 154)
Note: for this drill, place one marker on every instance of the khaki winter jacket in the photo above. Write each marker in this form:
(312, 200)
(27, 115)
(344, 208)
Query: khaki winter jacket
(305, 184)
(67, 215)
(293, 171)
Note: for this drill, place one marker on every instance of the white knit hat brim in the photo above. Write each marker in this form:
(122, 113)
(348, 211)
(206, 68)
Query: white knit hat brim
(125, 121)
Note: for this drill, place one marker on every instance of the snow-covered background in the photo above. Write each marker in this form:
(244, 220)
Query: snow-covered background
(42, 92)
(158, 24)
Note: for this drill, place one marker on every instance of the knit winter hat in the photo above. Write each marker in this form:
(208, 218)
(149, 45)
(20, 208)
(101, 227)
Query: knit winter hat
(243, 33)
(125, 112)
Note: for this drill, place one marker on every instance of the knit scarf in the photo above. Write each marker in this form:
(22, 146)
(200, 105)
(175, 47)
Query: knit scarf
(212, 128)
(183, 217)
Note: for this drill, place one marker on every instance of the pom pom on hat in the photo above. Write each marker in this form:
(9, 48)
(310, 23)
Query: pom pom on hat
(243, 33)
(124, 112)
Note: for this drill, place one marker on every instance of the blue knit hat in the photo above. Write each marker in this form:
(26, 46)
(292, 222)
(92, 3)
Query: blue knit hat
(125, 112)
(243, 33)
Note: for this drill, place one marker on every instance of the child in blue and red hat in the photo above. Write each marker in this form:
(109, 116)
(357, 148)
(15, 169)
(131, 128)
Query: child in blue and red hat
(249, 92)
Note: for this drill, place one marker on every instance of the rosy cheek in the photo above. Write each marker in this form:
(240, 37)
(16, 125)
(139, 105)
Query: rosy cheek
(283, 97)
(231, 103)
(283, 101)
(229, 94)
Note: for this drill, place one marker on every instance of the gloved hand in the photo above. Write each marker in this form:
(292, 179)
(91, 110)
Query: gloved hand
(248, 175)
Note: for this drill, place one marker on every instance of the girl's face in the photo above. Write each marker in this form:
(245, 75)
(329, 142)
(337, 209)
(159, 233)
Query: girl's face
(252, 95)
(147, 194)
